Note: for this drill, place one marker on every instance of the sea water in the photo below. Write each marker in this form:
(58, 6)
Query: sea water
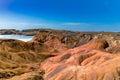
(18, 37)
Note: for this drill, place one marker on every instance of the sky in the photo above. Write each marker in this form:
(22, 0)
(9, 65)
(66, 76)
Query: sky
(75, 15)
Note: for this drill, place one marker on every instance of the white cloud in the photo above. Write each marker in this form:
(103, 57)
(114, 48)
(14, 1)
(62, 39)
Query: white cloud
(38, 24)
(75, 24)
(71, 23)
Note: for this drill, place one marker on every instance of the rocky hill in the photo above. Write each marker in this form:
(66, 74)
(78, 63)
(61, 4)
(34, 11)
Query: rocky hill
(61, 55)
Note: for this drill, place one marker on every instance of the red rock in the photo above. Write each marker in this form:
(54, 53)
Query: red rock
(86, 62)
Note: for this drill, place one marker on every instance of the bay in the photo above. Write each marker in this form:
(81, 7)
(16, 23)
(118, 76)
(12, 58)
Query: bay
(18, 37)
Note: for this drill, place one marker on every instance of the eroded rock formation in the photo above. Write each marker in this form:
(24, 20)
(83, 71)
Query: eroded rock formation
(87, 62)
(61, 55)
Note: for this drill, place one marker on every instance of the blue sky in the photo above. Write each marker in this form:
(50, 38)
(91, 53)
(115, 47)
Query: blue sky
(77, 15)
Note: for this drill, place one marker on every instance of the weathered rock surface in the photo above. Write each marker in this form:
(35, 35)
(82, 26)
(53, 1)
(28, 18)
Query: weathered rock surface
(87, 62)
(59, 41)
(60, 55)
(18, 57)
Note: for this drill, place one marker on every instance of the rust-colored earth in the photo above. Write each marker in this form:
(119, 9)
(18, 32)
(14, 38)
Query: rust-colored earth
(61, 55)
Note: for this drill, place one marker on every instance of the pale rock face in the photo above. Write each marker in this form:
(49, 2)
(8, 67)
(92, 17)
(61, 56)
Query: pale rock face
(86, 62)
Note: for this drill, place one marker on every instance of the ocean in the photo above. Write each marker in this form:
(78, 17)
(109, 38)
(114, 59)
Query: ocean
(18, 37)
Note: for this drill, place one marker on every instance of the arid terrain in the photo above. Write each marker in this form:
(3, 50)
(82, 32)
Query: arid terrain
(60, 55)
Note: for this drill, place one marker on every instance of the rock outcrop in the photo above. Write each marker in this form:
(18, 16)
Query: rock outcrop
(61, 55)
(18, 57)
(87, 62)
(60, 41)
